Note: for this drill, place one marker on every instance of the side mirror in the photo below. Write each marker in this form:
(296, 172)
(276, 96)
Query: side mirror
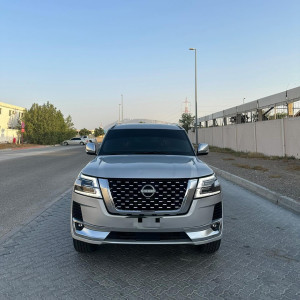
(203, 149)
(90, 148)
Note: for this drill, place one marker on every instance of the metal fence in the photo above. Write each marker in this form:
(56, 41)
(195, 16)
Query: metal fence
(282, 105)
(241, 128)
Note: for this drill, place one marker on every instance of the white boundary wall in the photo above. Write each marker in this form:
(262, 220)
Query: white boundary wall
(275, 138)
(7, 135)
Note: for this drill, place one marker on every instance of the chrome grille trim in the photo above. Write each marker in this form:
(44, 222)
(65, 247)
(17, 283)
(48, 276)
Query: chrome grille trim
(187, 197)
(167, 194)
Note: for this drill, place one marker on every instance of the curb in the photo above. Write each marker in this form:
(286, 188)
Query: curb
(273, 197)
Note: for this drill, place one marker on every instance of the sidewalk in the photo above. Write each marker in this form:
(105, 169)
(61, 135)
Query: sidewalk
(280, 175)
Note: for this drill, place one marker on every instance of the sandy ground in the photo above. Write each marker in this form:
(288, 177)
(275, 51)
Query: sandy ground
(279, 175)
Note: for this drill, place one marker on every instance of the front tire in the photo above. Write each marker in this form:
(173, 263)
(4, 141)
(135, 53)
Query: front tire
(83, 247)
(81, 143)
(66, 144)
(211, 247)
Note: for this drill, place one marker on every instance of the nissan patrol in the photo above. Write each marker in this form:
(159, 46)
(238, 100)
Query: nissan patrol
(146, 186)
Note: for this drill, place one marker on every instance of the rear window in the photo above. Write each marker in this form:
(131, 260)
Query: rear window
(146, 141)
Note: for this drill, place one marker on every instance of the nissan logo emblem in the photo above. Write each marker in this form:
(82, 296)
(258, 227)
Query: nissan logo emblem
(148, 191)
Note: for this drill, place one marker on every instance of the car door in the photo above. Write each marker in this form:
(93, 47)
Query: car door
(74, 141)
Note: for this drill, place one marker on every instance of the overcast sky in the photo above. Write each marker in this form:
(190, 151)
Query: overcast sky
(82, 55)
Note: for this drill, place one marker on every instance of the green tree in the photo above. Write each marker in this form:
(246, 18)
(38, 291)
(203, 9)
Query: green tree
(84, 131)
(45, 125)
(98, 131)
(186, 121)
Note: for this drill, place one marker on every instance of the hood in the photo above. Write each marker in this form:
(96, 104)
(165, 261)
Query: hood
(147, 166)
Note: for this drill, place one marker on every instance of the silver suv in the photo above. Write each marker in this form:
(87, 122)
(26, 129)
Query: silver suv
(146, 186)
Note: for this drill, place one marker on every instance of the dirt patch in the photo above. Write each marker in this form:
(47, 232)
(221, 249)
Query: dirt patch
(293, 168)
(249, 154)
(275, 173)
(228, 158)
(258, 168)
(274, 176)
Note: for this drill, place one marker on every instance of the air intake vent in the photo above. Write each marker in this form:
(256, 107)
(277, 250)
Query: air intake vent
(147, 236)
(217, 211)
(76, 211)
(148, 194)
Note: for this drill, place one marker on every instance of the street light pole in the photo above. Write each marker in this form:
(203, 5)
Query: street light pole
(122, 107)
(196, 114)
(119, 113)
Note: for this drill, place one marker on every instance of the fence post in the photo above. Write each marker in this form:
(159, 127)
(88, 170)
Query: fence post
(283, 137)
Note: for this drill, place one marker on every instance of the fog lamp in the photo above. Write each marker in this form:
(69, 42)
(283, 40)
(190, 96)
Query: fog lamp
(215, 226)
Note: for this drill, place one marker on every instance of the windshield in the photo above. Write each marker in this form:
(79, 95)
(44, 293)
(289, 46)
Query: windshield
(146, 141)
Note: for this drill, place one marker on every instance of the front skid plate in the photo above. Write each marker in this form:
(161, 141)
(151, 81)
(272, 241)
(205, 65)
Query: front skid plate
(203, 236)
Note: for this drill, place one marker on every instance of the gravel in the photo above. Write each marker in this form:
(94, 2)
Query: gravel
(279, 175)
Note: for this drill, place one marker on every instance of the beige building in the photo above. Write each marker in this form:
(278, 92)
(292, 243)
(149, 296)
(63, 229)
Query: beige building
(9, 117)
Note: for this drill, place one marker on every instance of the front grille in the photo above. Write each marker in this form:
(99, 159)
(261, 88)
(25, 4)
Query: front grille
(147, 236)
(76, 211)
(217, 211)
(168, 196)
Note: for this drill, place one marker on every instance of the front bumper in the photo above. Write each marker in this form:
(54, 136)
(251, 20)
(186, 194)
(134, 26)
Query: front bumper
(98, 226)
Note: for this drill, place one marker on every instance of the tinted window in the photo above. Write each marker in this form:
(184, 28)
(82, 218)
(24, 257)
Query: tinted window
(146, 141)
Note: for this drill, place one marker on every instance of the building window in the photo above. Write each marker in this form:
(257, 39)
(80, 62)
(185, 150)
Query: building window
(9, 113)
(0, 111)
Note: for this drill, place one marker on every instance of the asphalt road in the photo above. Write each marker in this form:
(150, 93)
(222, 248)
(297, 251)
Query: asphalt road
(31, 179)
(259, 258)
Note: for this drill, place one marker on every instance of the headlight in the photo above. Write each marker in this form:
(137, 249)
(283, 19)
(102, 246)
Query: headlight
(88, 186)
(207, 186)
